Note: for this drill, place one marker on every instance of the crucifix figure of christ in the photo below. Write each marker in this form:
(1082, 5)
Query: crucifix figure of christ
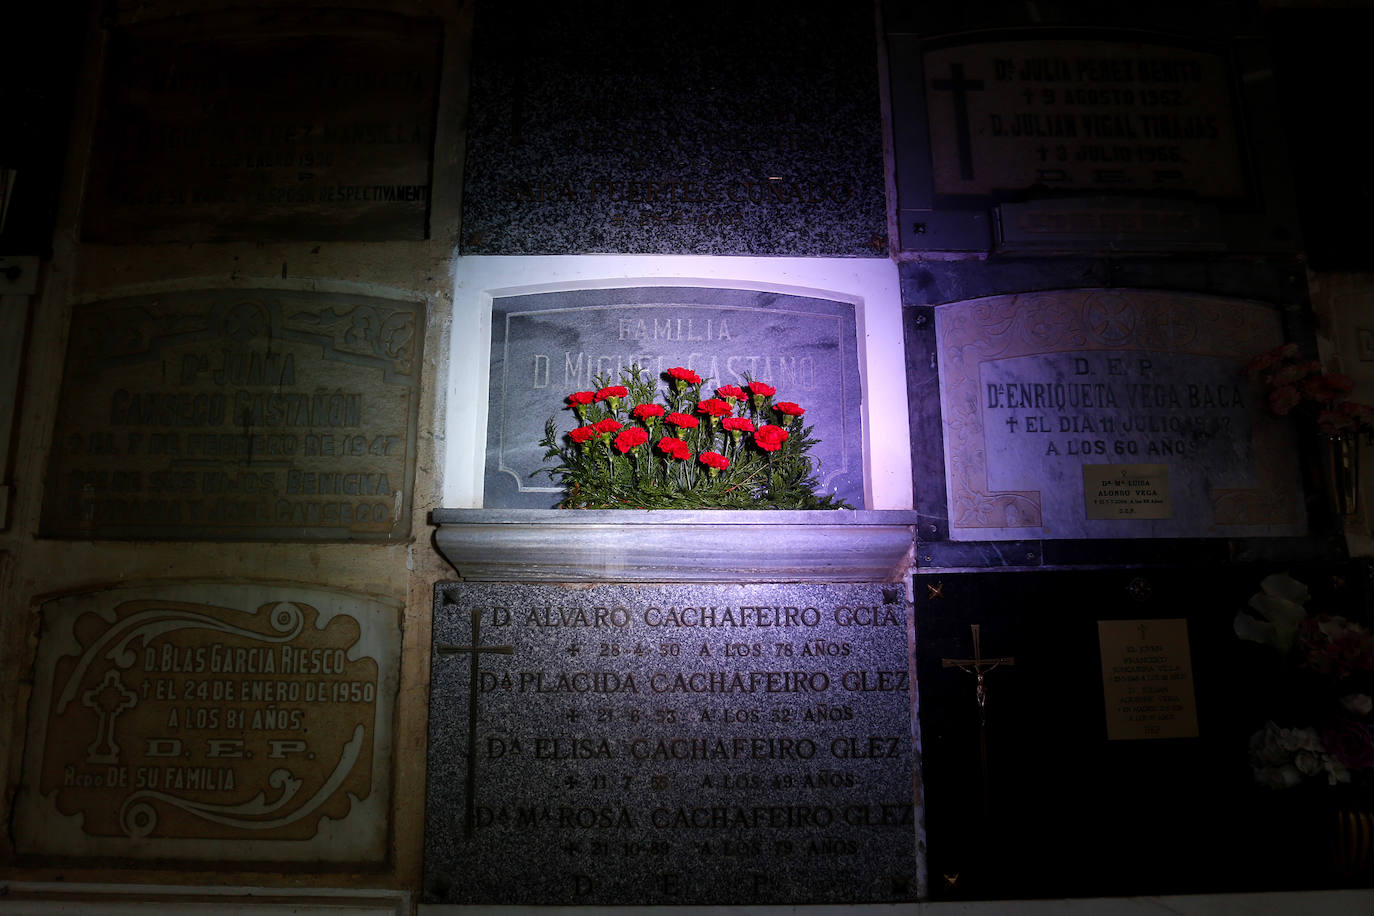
(474, 683)
(979, 668)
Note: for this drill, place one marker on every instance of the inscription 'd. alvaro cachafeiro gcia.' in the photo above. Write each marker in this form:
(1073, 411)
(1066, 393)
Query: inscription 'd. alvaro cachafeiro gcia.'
(664, 744)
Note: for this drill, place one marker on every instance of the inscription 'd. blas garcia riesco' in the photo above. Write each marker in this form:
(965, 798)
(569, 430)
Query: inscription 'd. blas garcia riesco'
(167, 722)
(237, 415)
(667, 744)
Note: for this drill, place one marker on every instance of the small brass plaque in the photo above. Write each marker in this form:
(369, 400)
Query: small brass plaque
(1127, 491)
(1147, 679)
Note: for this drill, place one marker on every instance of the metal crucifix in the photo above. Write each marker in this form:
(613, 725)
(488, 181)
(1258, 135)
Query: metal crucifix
(979, 668)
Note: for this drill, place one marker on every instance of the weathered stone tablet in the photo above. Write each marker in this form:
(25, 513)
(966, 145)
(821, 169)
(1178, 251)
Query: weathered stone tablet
(237, 415)
(211, 722)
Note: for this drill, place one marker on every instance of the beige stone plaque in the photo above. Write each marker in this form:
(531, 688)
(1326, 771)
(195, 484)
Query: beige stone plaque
(1127, 491)
(1070, 114)
(211, 722)
(237, 415)
(1147, 679)
(293, 124)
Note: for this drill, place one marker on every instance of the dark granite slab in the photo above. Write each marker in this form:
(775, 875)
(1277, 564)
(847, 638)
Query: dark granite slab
(696, 744)
(702, 128)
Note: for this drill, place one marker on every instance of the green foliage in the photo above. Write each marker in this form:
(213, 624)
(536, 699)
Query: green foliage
(596, 474)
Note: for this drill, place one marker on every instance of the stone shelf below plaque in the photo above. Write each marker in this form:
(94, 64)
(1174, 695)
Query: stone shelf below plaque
(562, 545)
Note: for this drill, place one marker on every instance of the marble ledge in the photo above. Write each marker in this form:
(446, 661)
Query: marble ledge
(630, 545)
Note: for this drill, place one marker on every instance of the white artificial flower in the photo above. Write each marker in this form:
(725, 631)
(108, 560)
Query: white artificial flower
(1308, 763)
(1282, 585)
(1358, 704)
(1336, 771)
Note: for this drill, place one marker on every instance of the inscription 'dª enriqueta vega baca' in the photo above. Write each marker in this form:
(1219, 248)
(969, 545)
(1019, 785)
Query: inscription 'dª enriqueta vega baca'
(670, 744)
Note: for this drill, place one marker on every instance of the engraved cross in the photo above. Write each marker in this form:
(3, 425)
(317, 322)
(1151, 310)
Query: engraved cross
(108, 699)
(474, 684)
(960, 87)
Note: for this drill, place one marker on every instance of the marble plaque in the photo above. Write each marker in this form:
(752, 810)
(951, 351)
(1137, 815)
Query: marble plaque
(288, 124)
(608, 126)
(1074, 115)
(1041, 391)
(211, 722)
(237, 415)
(1147, 679)
(548, 345)
(698, 744)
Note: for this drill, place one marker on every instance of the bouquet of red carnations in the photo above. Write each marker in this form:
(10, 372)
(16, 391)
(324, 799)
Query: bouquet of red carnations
(740, 449)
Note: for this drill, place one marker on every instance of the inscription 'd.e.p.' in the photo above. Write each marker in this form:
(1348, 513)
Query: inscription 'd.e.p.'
(662, 744)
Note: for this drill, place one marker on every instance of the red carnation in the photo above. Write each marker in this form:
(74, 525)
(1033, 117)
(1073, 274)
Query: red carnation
(686, 421)
(738, 424)
(612, 391)
(630, 438)
(581, 434)
(674, 448)
(607, 426)
(715, 407)
(730, 391)
(677, 373)
(714, 460)
(581, 398)
(787, 407)
(770, 438)
(762, 389)
(647, 411)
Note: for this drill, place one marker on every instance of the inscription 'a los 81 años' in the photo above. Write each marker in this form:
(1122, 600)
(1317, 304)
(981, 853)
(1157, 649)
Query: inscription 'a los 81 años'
(674, 734)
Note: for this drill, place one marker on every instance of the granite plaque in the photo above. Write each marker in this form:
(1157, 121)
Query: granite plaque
(1040, 391)
(237, 415)
(1147, 679)
(211, 722)
(281, 124)
(1075, 115)
(546, 346)
(621, 744)
(613, 126)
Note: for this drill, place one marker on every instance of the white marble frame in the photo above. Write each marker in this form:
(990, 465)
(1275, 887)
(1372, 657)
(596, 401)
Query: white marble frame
(872, 284)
